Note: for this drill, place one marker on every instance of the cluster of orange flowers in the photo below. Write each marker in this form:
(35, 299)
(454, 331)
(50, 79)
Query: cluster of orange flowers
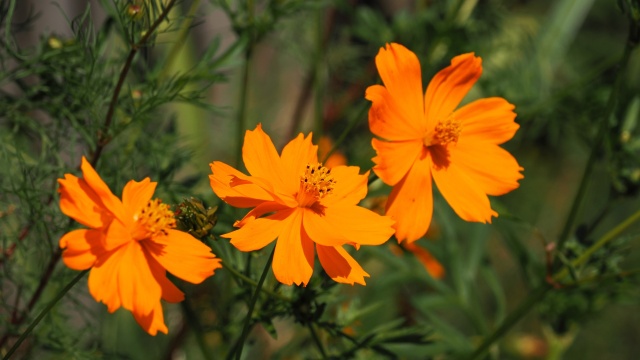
(308, 207)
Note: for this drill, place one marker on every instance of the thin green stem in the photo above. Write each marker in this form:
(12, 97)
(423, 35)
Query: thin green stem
(319, 84)
(103, 138)
(250, 281)
(316, 339)
(43, 313)
(244, 85)
(242, 106)
(606, 238)
(515, 316)
(347, 130)
(252, 304)
(539, 293)
(181, 39)
(600, 136)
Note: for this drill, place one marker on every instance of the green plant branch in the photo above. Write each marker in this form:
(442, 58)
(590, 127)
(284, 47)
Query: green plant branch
(43, 313)
(539, 293)
(240, 276)
(600, 136)
(254, 299)
(316, 340)
(606, 238)
(103, 137)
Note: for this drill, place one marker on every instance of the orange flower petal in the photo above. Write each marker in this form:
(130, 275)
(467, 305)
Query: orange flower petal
(340, 266)
(134, 278)
(357, 224)
(295, 156)
(390, 119)
(262, 160)
(410, 203)
(350, 188)
(110, 201)
(81, 248)
(450, 85)
(236, 188)
(256, 234)
(117, 235)
(103, 284)
(490, 167)
(433, 267)
(153, 321)
(394, 159)
(465, 196)
(320, 230)
(258, 211)
(183, 256)
(293, 258)
(401, 95)
(490, 119)
(136, 195)
(79, 202)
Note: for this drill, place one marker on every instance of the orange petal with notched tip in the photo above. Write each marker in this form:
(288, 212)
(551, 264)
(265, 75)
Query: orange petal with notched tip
(134, 278)
(357, 224)
(183, 256)
(80, 202)
(394, 159)
(236, 188)
(400, 71)
(82, 248)
(389, 119)
(465, 196)
(110, 201)
(490, 167)
(262, 160)
(294, 253)
(153, 321)
(340, 266)
(136, 195)
(410, 203)
(449, 86)
(490, 120)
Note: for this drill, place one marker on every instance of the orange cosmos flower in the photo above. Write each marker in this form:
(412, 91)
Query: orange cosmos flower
(425, 136)
(129, 246)
(306, 204)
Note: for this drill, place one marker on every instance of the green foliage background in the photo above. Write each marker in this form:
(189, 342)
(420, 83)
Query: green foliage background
(212, 69)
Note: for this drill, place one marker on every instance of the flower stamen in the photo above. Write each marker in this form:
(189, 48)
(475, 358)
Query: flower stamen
(156, 218)
(316, 183)
(445, 132)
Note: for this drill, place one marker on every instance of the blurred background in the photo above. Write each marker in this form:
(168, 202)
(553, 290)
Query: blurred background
(217, 67)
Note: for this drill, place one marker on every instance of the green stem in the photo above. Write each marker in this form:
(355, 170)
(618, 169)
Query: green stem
(316, 339)
(250, 281)
(515, 316)
(42, 314)
(254, 300)
(244, 90)
(612, 234)
(319, 84)
(242, 107)
(539, 293)
(600, 136)
(355, 121)
(181, 39)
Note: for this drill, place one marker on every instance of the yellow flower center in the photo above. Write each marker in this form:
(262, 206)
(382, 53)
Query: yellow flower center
(445, 132)
(155, 218)
(315, 183)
